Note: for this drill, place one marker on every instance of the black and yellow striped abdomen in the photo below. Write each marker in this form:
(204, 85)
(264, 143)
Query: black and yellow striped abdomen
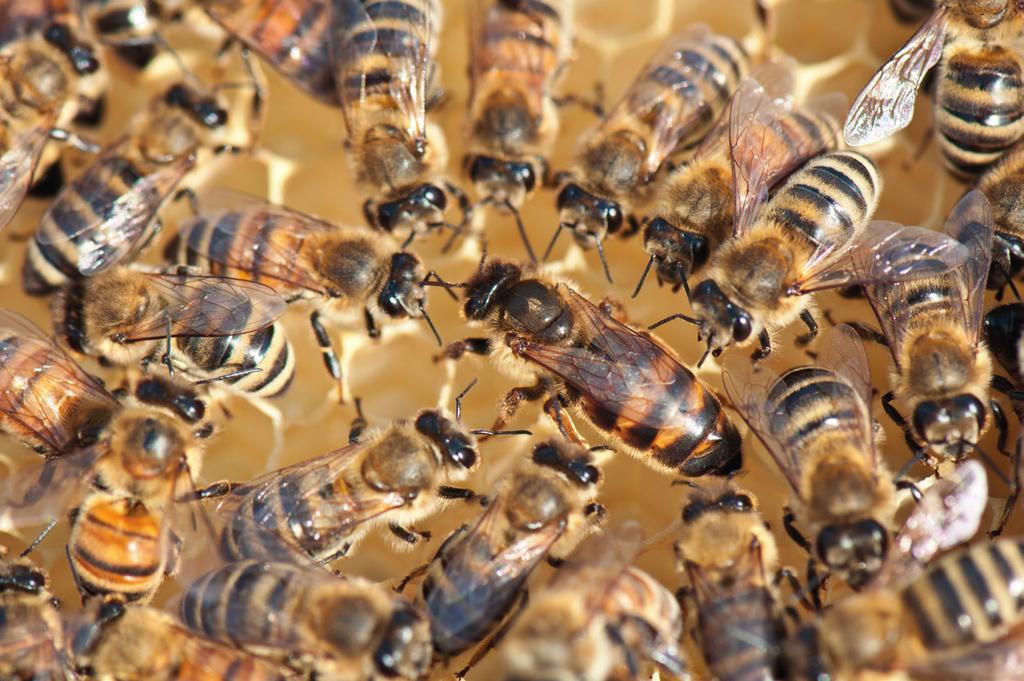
(267, 349)
(740, 634)
(971, 596)
(811, 406)
(979, 107)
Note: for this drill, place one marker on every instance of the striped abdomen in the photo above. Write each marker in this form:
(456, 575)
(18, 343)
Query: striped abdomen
(928, 304)
(638, 595)
(740, 635)
(811, 406)
(971, 596)
(66, 234)
(979, 107)
(248, 604)
(792, 138)
(267, 349)
(829, 199)
(293, 35)
(117, 547)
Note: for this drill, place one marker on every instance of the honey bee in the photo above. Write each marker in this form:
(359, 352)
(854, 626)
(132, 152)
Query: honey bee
(124, 486)
(954, 618)
(222, 329)
(518, 52)
(109, 213)
(1004, 329)
(813, 234)
(623, 381)
(338, 629)
(398, 474)
(344, 272)
(145, 644)
(816, 424)
(49, 75)
(597, 614)
(31, 629)
(673, 103)
(978, 104)
(387, 77)
(932, 326)
(730, 560)
(1001, 186)
(766, 138)
(545, 504)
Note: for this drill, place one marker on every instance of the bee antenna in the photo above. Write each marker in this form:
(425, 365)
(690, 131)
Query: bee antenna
(554, 239)
(604, 263)
(434, 279)
(430, 323)
(1009, 280)
(408, 240)
(643, 277)
(678, 315)
(458, 399)
(488, 432)
(987, 460)
(522, 230)
(703, 357)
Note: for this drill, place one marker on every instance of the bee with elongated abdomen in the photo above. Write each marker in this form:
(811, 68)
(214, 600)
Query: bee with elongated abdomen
(597, 614)
(817, 426)
(767, 136)
(812, 234)
(979, 104)
(730, 559)
(109, 213)
(214, 328)
(623, 381)
(336, 628)
(544, 505)
(346, 273)
(673, 103)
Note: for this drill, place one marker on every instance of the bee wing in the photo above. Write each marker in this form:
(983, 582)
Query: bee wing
(27, 643)
(881, 253)
(748, 387)
(971, 224)
(45, 491)
(34, 399)
(229, 212)
(948, 514)
(18, 164)
(374, 62)
(886, 104)
(1000, 660)
(599, 561)
(619, 367)
(109, 232)
(842, 351)
(209, 305)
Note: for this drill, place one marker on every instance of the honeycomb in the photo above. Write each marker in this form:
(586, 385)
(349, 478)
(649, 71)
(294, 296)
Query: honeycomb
(837, 43)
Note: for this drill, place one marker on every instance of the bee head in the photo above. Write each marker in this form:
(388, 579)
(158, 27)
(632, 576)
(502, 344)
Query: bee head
(720, 321)
(160, 392)
(573, 462)
(1003, 330)
(22, 577)
(503, 180)
(950, 426)
(405, 650)
(81, 55)
(677, 253)
(402, 294)
(425, 203)
(590, 217)
(730, 501)
(457, 447)
(855, 551)
(487, 288)
(202, 109)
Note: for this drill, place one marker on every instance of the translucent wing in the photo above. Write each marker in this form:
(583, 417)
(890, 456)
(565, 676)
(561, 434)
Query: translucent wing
(383, 67)
(594, 567)
(881, 253)
(625, 370)
(749, 386)
(18, 164)
(247, 253)
(1000, 660)
(45, 491)
(40, 384)
(971, 224)
(842, 351)
(886, 104)
(948, 514)
(208, 305)
(114, 226)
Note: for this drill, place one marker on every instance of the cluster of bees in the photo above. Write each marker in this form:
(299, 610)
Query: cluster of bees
(719, 171)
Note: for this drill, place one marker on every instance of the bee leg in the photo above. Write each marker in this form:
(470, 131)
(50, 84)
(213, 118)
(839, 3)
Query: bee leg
(553, 408)
(815, 583)
(372, 330)
(358, 423)
(632, 664)
(812, 328)
(492, 642)
(1011, 500)
(50, 182)
(915, 491)
(417, 572)
(786, 573)
(330, 356)
(788, 523)
(218, 489)
(765, 350)
(1002, 426)
(411, 536)
(456, 349)
(449, 492)
(188, 194)
(594, 105)
(85, 639)
(513, 398)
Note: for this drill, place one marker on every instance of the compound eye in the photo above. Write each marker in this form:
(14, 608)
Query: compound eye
(742, 502)
(480, 168)
(741, 328)
(526, 175)
(613, 216)
(211, 115)
(84, 60)
(571, 193)
(434, 195)
(177, 96)
(57, 34)
(971, 405)
(464, 456)
(387, 215)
